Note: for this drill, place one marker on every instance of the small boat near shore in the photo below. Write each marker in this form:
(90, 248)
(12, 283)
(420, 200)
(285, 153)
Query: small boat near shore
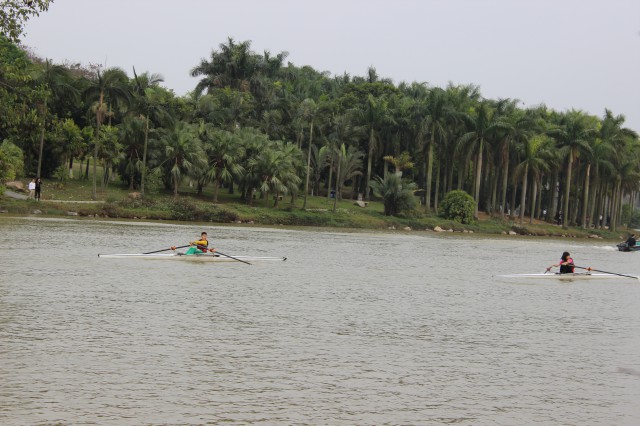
(201, 257)
(625, 247)
(577, 276)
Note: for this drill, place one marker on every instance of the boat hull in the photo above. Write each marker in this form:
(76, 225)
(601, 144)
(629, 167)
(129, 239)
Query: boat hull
(625, 247)
(200, 257)
(579, 276)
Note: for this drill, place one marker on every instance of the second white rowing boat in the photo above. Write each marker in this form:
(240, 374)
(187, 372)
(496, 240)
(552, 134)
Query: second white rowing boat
(208, 257)
(578, 276)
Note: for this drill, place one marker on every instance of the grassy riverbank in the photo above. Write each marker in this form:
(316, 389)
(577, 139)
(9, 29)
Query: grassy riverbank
(115, 201)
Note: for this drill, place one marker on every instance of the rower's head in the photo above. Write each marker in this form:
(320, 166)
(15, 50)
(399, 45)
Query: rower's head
(565, 255)
(203, 236)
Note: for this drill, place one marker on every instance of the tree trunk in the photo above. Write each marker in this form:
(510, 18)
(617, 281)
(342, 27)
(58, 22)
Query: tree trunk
(523, 196)
(144, 156)
(435, 197)
(369, 163)
(429, 172)
(44, 125)
(338, 192)
(534, 192)
(505, 183)
(216, 189)
(565, 213)
(478, 178)
(306, 184)
(585, 200)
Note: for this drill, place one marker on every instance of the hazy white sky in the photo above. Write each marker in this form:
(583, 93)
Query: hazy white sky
(582, 54)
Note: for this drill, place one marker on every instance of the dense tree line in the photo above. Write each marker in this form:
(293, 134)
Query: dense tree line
(262, 127)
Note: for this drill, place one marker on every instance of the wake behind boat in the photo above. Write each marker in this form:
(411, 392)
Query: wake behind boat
(207, 257)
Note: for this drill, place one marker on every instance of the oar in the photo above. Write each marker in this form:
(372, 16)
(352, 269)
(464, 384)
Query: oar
(231, 257)
(170, 248)
(605, 272)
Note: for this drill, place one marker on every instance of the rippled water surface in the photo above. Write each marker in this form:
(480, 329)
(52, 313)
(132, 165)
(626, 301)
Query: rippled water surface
(354, 328)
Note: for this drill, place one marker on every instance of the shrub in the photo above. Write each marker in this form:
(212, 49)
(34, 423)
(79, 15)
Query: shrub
(183, 209)
(458, 206)
(396, 194)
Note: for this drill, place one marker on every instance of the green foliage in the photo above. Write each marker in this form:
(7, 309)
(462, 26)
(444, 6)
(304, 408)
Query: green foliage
(630, 217)
(184, 209)
(397, 195)
(153, 181)
(458, 206)
(11, 161)
(15, 13)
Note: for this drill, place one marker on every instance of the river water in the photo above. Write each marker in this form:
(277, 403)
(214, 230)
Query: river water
(354, 328)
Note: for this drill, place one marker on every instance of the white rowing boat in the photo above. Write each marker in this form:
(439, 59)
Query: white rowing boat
(578, 276)
(208, 257)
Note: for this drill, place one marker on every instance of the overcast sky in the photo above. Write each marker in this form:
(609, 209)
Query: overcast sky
(582, 54)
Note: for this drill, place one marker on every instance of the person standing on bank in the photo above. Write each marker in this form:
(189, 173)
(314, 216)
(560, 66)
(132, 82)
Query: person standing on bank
(38, 188)
(32, 189)
(566, 264)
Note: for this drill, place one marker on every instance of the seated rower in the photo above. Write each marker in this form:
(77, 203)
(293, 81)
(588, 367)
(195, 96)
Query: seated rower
(566, 264)
(631, 241)
(201, 245)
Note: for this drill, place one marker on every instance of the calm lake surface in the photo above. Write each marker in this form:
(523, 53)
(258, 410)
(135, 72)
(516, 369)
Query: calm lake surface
(354, 328)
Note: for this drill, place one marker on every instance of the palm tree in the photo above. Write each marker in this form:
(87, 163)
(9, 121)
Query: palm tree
(343, 131)
(109, 87)
(56, 81)
(573, 134)
(533, 154)
(275, 166)
(70, 141)
(396, 194)
(475, 139)
(183, 151)
(309, 113)
(373, 117)
(224, 152)
(438, 116)
(349, 165)
(149, 103)
(400, 163)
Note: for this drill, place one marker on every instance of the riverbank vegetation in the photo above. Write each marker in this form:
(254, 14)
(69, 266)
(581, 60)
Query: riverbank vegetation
(262, 140)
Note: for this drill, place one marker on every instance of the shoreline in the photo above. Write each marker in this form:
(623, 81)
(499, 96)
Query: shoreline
(116, 203)
(74, 211)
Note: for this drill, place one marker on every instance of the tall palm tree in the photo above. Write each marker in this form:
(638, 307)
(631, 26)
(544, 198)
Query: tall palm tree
(475, 141)
(109, 87)
(349, 165)
(56, 81)
(149, 103)
(573, 133)
(224, 152)
(373, 117)
(309, 113)
(183, 151)
(438, 116)
(533, 154)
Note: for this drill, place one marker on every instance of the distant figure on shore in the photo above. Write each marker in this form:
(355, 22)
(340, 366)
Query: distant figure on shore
(32, 189)
(38, 188)
(558, 217)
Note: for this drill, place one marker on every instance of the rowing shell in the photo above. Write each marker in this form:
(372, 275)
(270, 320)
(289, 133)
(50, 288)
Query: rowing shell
(578, 276)
(198, 257)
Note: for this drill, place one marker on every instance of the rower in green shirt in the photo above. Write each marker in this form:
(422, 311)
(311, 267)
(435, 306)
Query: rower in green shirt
(199, 246)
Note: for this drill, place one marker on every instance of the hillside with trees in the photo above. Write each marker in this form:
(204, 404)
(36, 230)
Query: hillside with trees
(264, 128)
